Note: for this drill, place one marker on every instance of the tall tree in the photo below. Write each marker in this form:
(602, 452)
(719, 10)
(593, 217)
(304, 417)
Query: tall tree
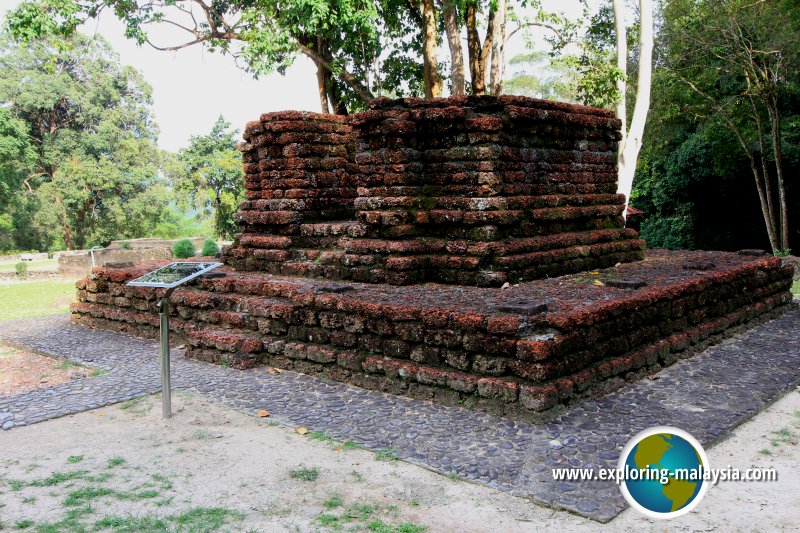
(95, 168)
(740, 59)
(211, 176)
(633, 132)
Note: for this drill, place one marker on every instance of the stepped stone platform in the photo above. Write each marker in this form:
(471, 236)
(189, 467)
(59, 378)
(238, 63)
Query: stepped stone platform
(468, 190)
(515, 352)
(466, 250)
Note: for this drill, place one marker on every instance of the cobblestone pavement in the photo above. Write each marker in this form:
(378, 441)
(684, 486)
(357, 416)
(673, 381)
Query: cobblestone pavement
(706, 395)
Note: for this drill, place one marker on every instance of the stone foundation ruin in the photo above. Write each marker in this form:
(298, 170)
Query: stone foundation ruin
(373, 249)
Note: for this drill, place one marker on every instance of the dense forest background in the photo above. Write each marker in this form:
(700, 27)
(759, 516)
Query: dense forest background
(80, 165)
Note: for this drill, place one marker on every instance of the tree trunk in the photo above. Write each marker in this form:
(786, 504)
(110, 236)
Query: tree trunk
(479, 53)
(476, 70)
(770, 223)
(343, 74)
(218, 215)
(333, 94)
(775, 122)
(323, 93)
(621, 111)
(433, 79)
(68, 242)
(762, 146)
(451, 28)
(498, 50)
(629, 149)
(486, 49)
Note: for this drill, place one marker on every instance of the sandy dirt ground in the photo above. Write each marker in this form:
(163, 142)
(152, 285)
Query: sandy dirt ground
(210, 468)
(21, 371)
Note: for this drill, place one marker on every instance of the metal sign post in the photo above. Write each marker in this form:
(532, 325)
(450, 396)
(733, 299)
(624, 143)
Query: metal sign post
(166, 389)
(169, 277)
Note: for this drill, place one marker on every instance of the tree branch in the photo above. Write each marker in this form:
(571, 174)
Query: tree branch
(354, 83)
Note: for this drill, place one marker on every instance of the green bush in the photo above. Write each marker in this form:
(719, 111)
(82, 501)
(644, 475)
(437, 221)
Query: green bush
(22, 269)
(183, 249)
(13, 251)
(210, 248)
(125, 245)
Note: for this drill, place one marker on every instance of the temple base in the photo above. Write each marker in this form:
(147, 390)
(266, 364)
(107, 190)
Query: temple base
(520, 352)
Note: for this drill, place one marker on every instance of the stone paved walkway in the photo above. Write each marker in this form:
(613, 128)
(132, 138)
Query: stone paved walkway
(706, 395)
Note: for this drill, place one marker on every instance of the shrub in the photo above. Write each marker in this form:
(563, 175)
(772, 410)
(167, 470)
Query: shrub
(210, 248)
(125, 245)
(22, 269)
(183, 249)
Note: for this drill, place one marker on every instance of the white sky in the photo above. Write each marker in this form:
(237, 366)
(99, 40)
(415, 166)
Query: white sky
(192, 87)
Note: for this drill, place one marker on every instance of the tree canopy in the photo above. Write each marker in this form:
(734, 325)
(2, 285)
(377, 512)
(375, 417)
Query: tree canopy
(209, 175)
(77, 144)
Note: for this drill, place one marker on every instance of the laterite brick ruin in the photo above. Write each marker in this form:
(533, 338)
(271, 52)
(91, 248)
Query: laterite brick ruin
(468, 250)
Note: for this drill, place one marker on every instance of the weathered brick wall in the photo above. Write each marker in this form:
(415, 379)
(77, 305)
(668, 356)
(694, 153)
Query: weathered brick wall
(465, 190)
(516, 352)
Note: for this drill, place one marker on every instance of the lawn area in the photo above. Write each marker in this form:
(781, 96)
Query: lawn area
(796, 289)
(35, 298)
(33, 266)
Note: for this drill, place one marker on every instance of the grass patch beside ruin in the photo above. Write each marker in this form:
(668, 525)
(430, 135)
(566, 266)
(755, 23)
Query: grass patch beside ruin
(35, 298)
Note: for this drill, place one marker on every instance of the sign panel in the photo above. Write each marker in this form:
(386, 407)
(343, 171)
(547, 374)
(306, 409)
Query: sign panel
(173, 274)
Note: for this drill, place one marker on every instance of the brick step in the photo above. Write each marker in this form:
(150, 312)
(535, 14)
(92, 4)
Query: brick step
(350, 228)
(658, 320)
(680, 332)
(412, 200)
(408, 269)
(234, 347)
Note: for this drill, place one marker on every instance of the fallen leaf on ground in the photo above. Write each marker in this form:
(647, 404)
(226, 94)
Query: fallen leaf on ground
(301, 430)
(599, 283)
(262, 413)
(594, 272)
(273, 370)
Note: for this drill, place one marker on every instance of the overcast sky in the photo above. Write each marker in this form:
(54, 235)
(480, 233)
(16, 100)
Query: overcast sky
(192, 87)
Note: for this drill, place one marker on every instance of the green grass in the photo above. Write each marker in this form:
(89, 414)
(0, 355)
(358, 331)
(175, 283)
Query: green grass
(783, 436)
(306, 474)
(86, 495)
(361, 516)
(115, 461)
(379, 526)
(23, 524)
(137, 406)
(33, 266)
(333, 501)
(89, 493)
(73, 459)
(197, 520)
(59, 477)
(36, 298)
(386, 454)
(318, 435)
(333, 444)
(796, 288)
